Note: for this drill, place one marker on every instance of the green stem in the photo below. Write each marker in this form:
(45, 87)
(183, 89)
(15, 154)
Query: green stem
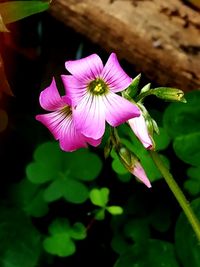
(177, 193)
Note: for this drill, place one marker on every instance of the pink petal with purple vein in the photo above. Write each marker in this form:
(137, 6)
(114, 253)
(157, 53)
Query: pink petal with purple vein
(118, 110)
(74, 88)
(114, 76)
(89, 116)
(62, 128)
(50, 98)
(139, 127)
(85, 69)
(139, 172)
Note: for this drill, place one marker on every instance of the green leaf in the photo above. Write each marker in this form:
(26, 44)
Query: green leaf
(38, 173)
(100, 214)
(186, 243)
(60, 242)
(192, 184)
(84, 165)
(118, 167)
(182, 119)
(99, 197)
(75, 192)
(150, 168)
(78, 231)
(157, 253)
(16, 10)
(50, 154)
(59, 226)
(162, 140)
(54, 191)
(72, 190)
(137, 230)
(60, 245)
(30, 198)
(21, 244)
(114, 210)
(187, 148)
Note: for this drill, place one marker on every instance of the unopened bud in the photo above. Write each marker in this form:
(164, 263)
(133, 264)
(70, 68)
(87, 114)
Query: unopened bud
(169, 94)
(132, 164)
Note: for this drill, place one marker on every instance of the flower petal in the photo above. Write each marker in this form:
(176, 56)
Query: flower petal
(118, 110)
(62, 128)
(74, 88)
(89, 116)
(85, 69)
(50, 99)
(139, 127)
(114, 76)
(139, 172)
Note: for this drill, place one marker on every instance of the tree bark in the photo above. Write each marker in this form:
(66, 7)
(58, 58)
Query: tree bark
(159, 38)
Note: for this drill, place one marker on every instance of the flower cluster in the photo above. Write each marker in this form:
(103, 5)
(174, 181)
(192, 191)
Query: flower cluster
(79, 117)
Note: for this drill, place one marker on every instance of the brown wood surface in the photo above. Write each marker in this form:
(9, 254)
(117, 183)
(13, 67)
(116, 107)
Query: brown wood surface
(160, 38)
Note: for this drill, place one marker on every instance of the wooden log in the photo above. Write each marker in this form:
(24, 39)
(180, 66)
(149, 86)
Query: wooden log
(159, 38)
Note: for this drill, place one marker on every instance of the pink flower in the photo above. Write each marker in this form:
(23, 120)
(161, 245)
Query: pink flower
(139, 172)
(60, 120)
(92, 88)
(139, 127)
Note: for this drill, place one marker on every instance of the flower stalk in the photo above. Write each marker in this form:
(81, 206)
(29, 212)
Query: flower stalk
(180, 197)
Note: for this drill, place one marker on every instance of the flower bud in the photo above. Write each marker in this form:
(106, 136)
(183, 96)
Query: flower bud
(132, 164)
(169, 94)
(143, 128)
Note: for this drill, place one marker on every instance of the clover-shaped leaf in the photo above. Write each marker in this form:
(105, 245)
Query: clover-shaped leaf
(60, 242)
(100, 198)
(63, 173)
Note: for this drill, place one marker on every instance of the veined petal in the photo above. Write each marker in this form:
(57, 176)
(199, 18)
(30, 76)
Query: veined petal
(63, 129)
(114, 76)
(139, 172)
(85, 69)
(118, 110)
(89, 116)
(139, 127)
(74, 88)
(50, 99)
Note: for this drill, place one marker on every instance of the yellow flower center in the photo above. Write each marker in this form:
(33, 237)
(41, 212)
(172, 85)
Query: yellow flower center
(98, 87)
